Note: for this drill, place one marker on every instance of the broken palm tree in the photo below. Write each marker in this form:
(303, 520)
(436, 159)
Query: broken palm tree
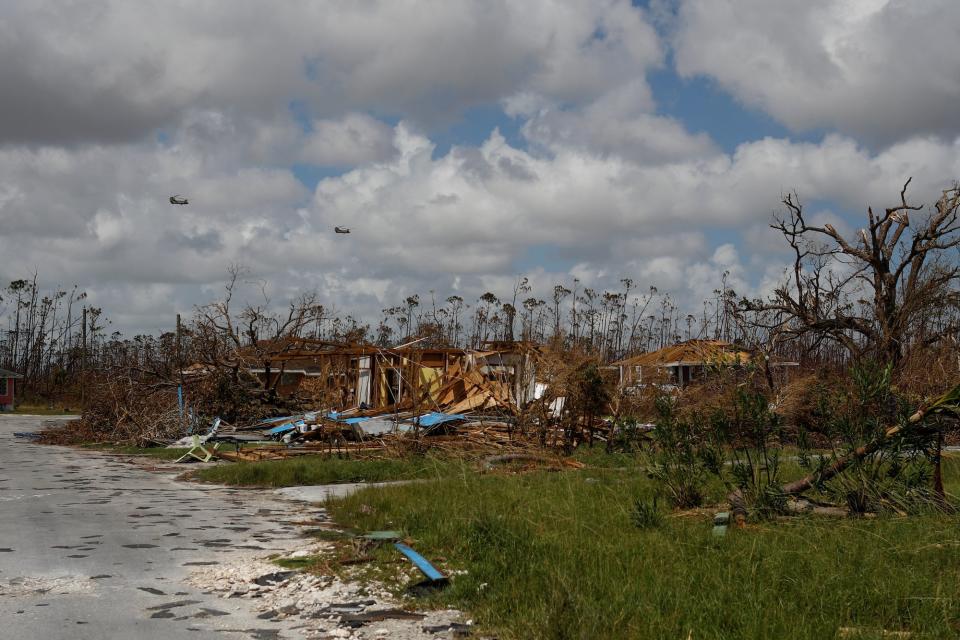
(946, 404)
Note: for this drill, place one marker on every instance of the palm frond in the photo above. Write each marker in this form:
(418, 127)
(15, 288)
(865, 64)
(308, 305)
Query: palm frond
(949, 402)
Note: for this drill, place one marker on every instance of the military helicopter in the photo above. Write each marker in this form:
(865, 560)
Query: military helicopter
(178, 199)
(341, 230)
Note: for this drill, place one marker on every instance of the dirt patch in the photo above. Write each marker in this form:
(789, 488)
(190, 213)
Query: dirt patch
(326, 606)
(29, 586)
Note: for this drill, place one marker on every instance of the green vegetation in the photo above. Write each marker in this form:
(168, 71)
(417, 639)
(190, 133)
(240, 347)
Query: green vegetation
(596, 457)
(308, 470)
(296, 563)
(322, 469)
(332, 534)
(560, 555)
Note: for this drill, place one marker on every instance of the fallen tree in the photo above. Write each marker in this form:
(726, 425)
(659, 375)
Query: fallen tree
(914, 425)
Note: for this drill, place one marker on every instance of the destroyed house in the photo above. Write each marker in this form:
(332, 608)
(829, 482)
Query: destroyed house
(353, 375)
(499, 378)
(375, 377)
(411, 373)
(679, 364)
(512, 364)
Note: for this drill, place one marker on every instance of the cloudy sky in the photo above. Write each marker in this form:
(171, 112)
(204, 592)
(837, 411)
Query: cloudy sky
(464, 142)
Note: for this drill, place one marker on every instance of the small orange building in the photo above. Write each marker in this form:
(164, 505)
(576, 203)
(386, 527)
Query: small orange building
(685, 362)
(681, 363)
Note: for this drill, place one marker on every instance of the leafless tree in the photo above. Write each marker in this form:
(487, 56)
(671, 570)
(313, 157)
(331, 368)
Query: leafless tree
(874, 294)
(225, 339)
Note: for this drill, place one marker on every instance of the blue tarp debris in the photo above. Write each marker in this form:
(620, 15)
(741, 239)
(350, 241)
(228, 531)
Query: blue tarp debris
(281, 429)
(422, 563)
(287, 426)
(379, 425)
(362, 425)
(434, 418)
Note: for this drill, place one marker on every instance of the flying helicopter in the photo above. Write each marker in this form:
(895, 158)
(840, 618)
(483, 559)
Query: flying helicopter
(178, 199)
(341, 230)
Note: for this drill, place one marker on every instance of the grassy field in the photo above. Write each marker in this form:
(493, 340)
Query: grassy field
(322, 469)
(556, 555)
(309, 470)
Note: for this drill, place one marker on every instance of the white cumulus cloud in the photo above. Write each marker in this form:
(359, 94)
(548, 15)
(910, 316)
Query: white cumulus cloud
(882, 69)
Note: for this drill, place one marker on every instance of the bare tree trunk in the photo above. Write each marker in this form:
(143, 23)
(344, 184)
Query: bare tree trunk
(938, 491)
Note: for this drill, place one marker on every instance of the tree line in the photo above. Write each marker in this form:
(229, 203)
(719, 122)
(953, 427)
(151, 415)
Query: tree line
(886, 292)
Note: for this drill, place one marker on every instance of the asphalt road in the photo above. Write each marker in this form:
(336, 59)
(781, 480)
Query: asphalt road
(93, 548)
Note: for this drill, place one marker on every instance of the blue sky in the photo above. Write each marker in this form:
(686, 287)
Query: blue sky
(702, 106)
(464, 143)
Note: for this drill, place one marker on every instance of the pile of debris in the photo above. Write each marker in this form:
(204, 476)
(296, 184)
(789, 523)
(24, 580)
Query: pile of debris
(350, 434)
(475, 402)
(146, 410)
(340, 398)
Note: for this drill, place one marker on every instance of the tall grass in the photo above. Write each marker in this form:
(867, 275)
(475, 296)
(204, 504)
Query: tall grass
(309, 470)
(557, 555)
